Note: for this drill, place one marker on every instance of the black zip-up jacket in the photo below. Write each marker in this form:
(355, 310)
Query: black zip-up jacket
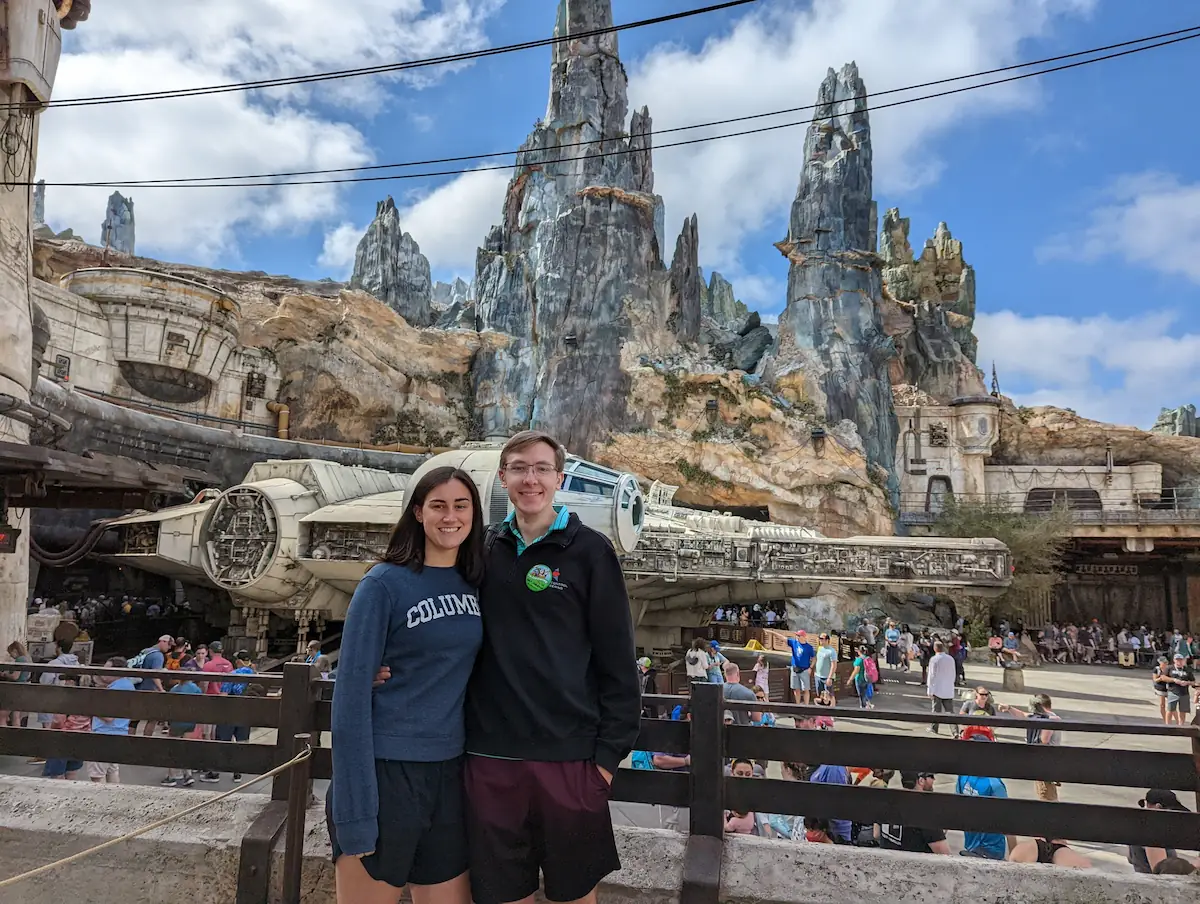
(555, 679)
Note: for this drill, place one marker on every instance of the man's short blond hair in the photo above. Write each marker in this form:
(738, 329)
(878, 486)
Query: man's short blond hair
(527, 438)
(731, 668)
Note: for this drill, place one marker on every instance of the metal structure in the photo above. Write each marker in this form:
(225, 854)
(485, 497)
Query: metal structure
(296, 537)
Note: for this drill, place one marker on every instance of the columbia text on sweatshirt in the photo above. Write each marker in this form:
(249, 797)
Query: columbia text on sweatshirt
(555, 680)
(426, 627)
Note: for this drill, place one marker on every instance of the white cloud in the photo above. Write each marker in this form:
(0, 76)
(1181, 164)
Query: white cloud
(775, 58)
(1152, 220)
(338, 251)
(259, 132)
(449, 223)
(1121, 370)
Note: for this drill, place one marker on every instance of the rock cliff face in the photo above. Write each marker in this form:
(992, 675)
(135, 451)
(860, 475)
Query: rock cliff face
(117, 230)
(388, 264)
(727, 441)
(353, 371)
(1058, 436)
(831, 349)
(579, 245)
(929, 311)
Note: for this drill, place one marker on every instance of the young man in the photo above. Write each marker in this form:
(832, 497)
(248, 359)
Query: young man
(911, 838)
(1181, 683)
(553, 706)
(802, 667)
(153, 658)
(825, 670)
(940, 684)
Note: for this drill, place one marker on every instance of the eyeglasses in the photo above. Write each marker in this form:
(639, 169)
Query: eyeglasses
(521, 471)
(982, 694)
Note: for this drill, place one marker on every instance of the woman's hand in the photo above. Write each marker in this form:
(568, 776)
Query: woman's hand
(381, 677)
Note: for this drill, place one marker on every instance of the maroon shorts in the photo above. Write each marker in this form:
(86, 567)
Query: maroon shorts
(523, 816)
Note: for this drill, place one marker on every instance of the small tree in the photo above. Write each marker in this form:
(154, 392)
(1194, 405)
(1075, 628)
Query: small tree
(1036, 542)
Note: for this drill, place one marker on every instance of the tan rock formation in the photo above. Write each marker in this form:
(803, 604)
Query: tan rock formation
(749, 451)
(1058, 436)
(354, 371)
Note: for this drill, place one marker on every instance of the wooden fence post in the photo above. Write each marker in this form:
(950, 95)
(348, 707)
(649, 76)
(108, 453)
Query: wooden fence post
(706, 806)
(296, 711)
(293, 851)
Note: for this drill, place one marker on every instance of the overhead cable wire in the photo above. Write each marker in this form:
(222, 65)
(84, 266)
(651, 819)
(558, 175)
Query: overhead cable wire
(627, 150)
(719, 122)
(385, 68)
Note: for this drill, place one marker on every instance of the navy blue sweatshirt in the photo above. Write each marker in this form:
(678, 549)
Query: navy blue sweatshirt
(426, 627)
(555, 680)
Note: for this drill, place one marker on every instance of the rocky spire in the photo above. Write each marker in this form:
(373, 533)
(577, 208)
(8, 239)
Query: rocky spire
(580, 241)
(930, 311)
(687, 282)
(388, 264)
(39, 204)
(831, 348)
(117, 230)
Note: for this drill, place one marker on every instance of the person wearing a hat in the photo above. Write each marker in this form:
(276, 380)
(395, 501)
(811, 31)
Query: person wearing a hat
(1142, 859)
(803, 656)
(1181, 684)
(716, 663)
(648, 678)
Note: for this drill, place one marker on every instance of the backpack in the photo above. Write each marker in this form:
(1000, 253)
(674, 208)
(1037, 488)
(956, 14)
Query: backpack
(642, 760)
(139, 661)
(871, 669)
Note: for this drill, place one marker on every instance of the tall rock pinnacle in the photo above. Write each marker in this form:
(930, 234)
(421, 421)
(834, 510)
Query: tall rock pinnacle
(388, 264)
(831, 348)
(117, 230)
(580, 241)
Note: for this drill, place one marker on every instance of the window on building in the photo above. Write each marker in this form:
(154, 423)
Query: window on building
(1044, 499)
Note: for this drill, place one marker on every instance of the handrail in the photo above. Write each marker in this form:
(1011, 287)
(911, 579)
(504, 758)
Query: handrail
(266, 679)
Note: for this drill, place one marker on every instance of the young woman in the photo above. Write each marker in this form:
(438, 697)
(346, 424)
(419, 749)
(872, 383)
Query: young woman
(859, 681)
(762, 674)
(395, 806)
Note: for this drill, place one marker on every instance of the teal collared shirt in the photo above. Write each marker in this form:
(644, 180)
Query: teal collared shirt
(560, 523)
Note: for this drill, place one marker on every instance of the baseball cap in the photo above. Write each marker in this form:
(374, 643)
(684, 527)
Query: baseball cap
(714, 645)
(1181, 656)
(802, 633)
(166, 638)
(729, 715)
(215, 646)
(645, 662)
(1160, 797)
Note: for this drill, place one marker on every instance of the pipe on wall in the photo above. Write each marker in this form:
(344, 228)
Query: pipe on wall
(284, 413)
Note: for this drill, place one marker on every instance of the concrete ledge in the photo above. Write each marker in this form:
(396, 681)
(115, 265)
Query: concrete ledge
(42, 820)
(765, 872)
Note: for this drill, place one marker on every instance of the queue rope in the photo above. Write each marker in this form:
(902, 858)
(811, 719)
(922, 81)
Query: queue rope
(41, 870)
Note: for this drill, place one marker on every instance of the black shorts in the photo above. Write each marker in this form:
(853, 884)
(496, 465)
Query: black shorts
(528, 816)
(233, 733)
(422, 833)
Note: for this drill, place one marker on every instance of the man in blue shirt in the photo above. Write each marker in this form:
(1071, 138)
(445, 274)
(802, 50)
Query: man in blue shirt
(989, 846)
(802, 664)
(115, 725)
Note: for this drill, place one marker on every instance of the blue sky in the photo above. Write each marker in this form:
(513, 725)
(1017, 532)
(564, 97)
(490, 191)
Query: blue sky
(1077, 195)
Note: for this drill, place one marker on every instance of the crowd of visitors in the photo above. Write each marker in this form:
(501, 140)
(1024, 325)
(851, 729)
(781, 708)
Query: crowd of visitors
(194, 665)
(760, 615)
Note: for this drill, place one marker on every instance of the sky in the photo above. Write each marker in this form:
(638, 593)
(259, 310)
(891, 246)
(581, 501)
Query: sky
(1076, 194)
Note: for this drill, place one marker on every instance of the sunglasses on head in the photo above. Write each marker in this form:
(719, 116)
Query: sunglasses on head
(926, 775)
